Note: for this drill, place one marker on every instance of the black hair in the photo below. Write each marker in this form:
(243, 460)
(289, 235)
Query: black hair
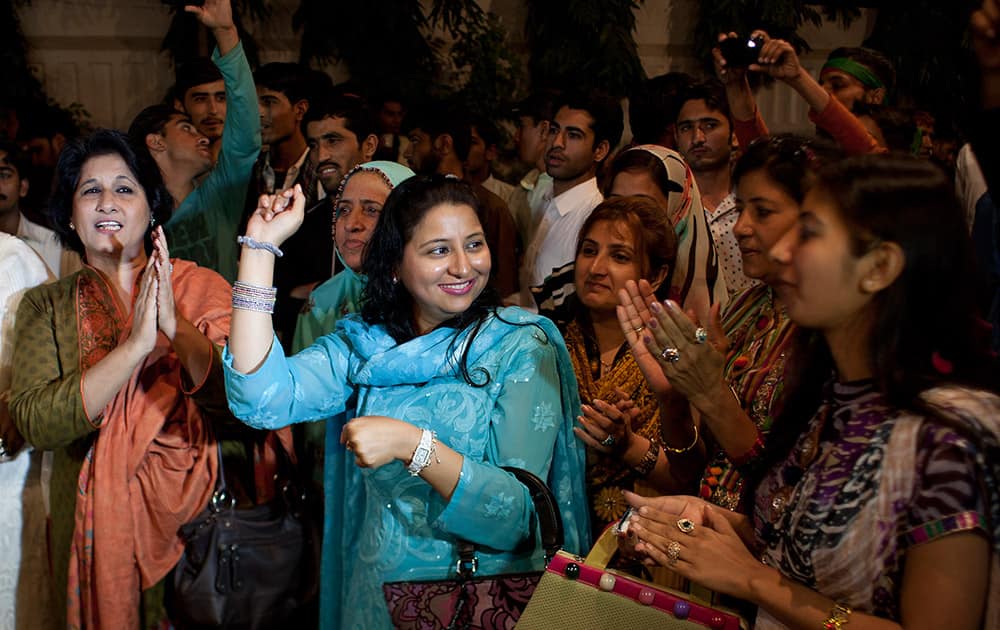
(438, 120)
(152, 119)
(197, 71)
(538, 106)
(71, 160)
(16, 157)
(486, 129)
(871, 59)
(385, 300)
(353, 109)
(46, 121)
(712, 92)
(295, 81)
(790, 161)
(925, 331)
(654, 104)
(606, 111)
(898, 127)
(636, 160)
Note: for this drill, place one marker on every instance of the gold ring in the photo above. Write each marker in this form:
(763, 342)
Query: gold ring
(673, 552)
(686, 525)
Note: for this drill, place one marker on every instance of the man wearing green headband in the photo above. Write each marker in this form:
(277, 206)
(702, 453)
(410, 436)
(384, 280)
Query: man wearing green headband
(777, 58)
(857, 74)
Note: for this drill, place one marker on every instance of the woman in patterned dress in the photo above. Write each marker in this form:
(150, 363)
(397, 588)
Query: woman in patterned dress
(735, 382)
(878, 502)
(448, 387)
(623, 239)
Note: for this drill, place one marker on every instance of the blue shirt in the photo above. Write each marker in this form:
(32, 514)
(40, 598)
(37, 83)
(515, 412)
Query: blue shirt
(383, 525)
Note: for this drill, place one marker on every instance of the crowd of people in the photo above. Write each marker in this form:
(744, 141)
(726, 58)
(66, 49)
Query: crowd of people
(772, 355)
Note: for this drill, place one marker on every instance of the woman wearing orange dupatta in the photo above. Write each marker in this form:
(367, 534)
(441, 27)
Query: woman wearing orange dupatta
(116, 369)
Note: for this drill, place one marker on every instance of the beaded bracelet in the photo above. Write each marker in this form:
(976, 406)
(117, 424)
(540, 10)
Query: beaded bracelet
(648, 461)
(839, 616)
(250, 297)
(255, 244)
(687, 448)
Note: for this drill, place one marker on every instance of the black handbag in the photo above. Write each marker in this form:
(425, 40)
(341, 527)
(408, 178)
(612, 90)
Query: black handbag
(253, 568)
(475, 602)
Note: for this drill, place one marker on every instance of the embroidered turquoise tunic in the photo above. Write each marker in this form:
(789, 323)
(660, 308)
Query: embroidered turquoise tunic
(384, 525)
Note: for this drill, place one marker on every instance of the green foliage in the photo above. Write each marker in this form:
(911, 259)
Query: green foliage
(382, 43)
(493, 73)
(388, 47)
(583, 44)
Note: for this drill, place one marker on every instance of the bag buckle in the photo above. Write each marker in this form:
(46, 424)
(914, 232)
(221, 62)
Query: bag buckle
(467, 567)
(221, 500)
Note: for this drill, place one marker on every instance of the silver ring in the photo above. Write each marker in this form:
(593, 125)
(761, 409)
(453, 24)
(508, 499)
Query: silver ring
(673, 552)
(686, 525)
(608, 441)
(670, 355)
(700, 335)
(639, 329)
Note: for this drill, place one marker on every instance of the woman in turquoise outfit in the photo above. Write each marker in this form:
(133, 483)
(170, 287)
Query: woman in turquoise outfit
(448, 387)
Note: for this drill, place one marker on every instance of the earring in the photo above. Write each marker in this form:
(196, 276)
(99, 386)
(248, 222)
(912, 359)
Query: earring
(395, 279)
(71, 226)
(152, 221)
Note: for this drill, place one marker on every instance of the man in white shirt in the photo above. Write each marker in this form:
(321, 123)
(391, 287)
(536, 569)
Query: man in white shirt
(13, 188)
(585, 129)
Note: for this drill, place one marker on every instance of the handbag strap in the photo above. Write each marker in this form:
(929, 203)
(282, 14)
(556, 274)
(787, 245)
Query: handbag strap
(546, 511)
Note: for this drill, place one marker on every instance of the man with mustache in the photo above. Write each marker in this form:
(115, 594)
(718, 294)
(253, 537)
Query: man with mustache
(339, 131)
(584, 131)
(200, 92)
(13, 188)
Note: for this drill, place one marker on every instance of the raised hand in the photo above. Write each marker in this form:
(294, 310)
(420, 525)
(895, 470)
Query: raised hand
(693, 366)
(726, 74)
(777, 58)
(213, 13)
(633, 315)
(166, 309)
(144, 315)
(277, 216)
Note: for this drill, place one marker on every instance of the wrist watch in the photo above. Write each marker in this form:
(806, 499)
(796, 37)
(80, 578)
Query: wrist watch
(422, 454)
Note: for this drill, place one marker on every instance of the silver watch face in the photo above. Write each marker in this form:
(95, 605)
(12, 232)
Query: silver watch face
(421, 455)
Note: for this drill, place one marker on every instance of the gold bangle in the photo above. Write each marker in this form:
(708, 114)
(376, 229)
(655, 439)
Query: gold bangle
(839, 616)
(687, 448)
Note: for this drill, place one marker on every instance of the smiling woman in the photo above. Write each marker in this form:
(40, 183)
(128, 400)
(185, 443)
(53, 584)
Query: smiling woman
(447, 388)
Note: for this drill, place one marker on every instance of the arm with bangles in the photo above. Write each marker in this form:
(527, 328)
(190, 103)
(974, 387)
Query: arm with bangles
(696, 378)
(943, 584)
